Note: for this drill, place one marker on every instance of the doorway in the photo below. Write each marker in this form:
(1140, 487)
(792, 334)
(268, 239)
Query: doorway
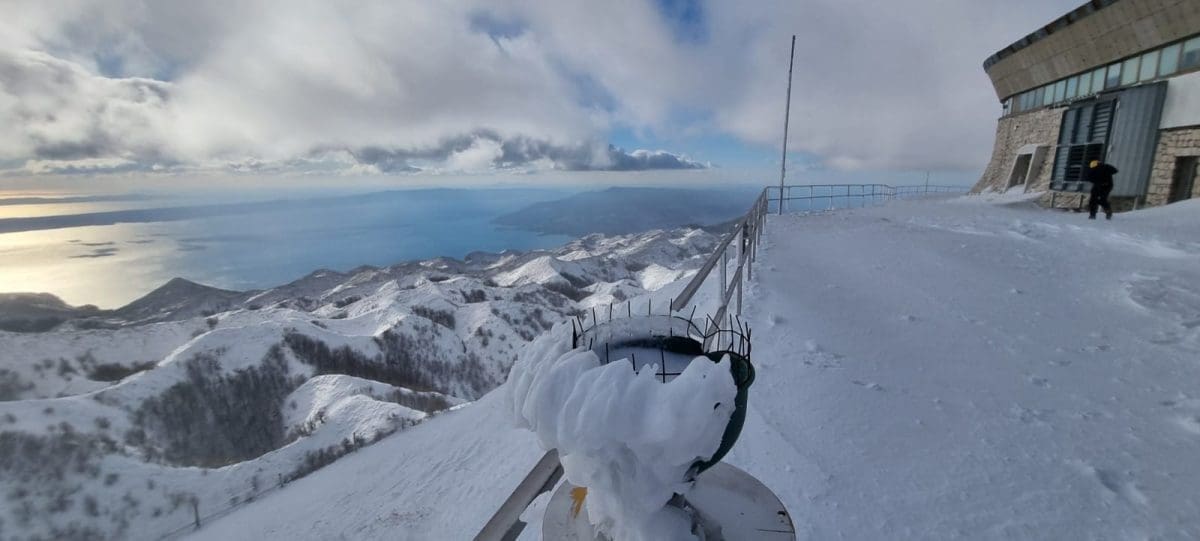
(1020, 171)
(1185, 178)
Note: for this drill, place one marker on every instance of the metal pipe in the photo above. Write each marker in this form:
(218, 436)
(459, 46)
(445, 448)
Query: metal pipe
(787, 113)
(739, 294)
(724, 269)
(506, 523)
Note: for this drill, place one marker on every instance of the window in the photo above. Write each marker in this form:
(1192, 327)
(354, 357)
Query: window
(1114, 76)
(1060, 91)
(1191, 54)
(1072, 87)
(1098, 80)
(1149, 66)
(1082, 138)
(1169, 62)
(1046, 93)
(1129, 71)
(1085, 84)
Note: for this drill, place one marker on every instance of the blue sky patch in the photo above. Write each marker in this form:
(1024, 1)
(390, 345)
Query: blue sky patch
(686, 19)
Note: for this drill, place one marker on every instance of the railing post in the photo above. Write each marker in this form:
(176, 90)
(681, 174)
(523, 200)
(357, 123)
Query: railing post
(744, 245)
(724, 265)
(757, 236)
(739, 295)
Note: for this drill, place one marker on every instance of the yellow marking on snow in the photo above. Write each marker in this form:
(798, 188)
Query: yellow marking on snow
(578, 494)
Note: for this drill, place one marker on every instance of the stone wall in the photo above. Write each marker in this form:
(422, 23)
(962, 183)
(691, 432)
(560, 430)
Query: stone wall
(1172, 144)
(1014, 132)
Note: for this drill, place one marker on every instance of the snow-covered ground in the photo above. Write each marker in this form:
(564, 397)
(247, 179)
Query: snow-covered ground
(962, 370)
(928, 370)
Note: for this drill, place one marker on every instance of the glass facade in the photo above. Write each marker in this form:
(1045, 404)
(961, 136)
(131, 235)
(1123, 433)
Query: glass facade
(1129, 71)
(1114, 76)
(1191, 54)
(1169, 63)
(1162, 62)
(1098, 80)
(1149, 66)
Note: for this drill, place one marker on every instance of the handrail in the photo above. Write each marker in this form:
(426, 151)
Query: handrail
(746, 231)
(692, 287)
(506, 524)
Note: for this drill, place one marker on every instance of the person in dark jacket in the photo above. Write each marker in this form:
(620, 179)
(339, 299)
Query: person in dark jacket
(1101, 176)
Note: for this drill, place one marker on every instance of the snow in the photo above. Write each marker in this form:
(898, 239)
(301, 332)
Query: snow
(542, 270)
(982, 372)
(967, 368)
(624, 435)
(438, 480)
(323, 398)
(23, 353)
(655, 276)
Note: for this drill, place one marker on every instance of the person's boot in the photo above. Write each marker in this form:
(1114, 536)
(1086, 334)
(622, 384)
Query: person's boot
(1091, 216)
(1108, 215)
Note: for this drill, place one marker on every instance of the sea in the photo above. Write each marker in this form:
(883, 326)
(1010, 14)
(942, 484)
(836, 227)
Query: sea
(110, 250)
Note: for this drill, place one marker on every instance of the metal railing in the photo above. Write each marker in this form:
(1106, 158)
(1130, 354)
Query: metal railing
(506, 524)
(817, 197)
(747, 233)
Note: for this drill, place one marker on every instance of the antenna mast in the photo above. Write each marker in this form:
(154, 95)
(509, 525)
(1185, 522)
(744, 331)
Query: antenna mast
(787, 113)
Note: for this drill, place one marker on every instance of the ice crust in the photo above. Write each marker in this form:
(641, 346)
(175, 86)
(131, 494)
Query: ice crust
(625, 435)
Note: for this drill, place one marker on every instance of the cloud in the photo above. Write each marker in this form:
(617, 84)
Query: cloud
(499, 85)
(487, 151)
(54, 109)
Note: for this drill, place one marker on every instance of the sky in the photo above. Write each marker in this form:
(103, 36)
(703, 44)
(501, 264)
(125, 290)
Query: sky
(99, 92)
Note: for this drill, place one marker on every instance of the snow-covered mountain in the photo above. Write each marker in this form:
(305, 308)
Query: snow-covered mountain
(138, 422)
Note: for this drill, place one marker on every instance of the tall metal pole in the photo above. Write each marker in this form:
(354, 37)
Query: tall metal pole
(787, 113)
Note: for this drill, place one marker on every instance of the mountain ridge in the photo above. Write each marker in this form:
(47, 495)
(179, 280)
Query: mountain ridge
(193, 398)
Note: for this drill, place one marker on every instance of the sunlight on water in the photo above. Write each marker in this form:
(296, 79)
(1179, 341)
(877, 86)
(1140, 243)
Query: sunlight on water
(61, 209)
(107, 266)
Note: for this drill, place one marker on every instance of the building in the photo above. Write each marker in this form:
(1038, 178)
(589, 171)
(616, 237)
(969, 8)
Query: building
(1115, 80)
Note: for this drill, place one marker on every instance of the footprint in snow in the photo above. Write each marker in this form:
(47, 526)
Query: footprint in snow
(1039, 382)
(1189, 423)
(1030, 416)
(1189, 419)
(1114, 483)
(823, 361)
(868, 384)
(1173, 298)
